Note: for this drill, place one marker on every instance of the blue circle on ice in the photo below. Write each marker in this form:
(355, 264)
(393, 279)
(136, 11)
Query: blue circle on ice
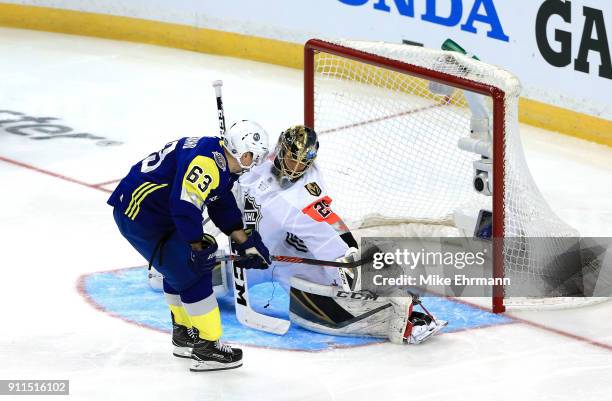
(126, 294)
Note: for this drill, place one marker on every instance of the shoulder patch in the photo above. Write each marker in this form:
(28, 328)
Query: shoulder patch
(220, 160)
(320, 210)
(313, 189)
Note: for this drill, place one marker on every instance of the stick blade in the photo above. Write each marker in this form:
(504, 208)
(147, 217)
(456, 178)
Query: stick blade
(262, 322)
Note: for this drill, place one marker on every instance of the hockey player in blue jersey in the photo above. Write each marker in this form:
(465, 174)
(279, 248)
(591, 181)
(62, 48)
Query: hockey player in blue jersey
(158, 208)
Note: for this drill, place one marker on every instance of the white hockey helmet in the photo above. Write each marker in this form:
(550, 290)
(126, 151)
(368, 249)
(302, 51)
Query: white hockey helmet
(247, 136)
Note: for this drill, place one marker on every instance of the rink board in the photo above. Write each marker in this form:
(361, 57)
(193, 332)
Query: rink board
(125, 294)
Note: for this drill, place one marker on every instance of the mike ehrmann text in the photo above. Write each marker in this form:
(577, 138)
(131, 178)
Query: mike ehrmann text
(437, 280)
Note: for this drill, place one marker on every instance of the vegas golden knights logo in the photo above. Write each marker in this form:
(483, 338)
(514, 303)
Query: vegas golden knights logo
(313, 189)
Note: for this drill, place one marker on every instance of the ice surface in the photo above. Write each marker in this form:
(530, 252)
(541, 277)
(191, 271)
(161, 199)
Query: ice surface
(57, 228)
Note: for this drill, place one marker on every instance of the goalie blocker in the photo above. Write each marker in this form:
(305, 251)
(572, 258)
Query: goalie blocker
(331, 310)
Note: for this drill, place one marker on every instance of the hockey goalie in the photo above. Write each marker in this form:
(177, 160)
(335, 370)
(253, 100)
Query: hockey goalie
(286, 201)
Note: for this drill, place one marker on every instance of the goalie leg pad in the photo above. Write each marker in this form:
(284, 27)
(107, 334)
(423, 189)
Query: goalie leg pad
(331, 310)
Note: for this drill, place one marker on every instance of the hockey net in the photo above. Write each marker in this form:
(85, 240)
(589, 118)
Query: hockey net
(389, 153)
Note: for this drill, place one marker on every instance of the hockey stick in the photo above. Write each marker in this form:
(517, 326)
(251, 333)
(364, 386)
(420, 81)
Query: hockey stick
(217, 85)
(244, 313)
(250, 318)
(305, 261)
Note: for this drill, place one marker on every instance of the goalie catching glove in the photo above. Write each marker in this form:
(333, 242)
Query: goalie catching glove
(259, 256)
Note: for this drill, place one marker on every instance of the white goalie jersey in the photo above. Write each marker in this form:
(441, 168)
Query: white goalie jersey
(295, 221)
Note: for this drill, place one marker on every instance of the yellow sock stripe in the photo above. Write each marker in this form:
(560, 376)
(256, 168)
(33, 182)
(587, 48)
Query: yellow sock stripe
(208, 325)
(135, 195)
(180, 315)
(144, 195)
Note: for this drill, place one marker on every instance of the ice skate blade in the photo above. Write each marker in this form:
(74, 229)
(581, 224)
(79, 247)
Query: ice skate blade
(206, 366)
(182, 352)
(440, 325)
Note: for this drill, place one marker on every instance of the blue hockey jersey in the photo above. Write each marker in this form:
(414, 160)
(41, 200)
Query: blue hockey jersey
(169, 189)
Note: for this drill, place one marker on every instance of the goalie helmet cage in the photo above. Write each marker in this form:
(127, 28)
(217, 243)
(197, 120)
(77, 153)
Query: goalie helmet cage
(378, 123)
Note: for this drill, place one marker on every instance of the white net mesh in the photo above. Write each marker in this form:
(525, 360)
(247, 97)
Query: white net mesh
(389, 153)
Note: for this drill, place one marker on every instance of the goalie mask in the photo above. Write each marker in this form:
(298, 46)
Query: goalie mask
(296, 150)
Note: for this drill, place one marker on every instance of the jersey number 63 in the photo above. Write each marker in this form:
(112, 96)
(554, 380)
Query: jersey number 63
(197, 174)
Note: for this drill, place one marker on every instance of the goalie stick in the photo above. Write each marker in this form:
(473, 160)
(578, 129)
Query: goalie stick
(249, 317)
(244, 313)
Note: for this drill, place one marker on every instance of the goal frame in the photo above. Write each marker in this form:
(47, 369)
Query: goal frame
(314, 46)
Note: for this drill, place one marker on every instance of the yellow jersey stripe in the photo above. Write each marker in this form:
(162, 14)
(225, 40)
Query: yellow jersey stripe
(135, 195)
(144, 195)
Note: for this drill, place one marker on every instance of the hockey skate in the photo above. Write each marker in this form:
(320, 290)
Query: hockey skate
(422, 327)
(182, 339)
(214, 355)
(412, 327)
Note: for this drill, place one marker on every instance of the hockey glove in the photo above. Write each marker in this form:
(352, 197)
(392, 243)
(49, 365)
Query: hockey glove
(350, 277)
(257, 252)
(204, 259)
